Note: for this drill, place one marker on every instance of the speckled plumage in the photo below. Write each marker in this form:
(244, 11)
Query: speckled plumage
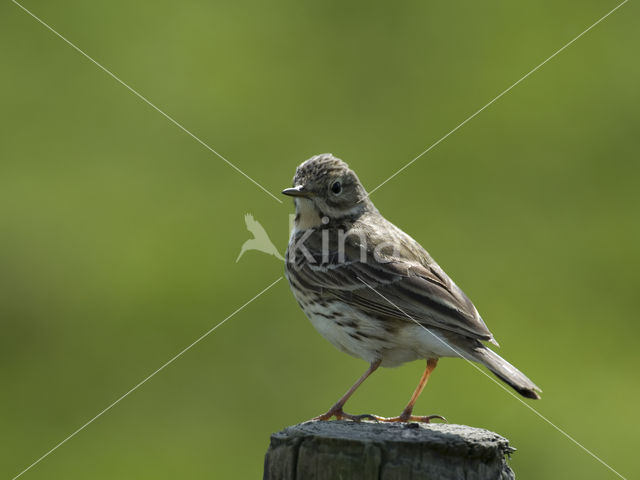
(372, 290)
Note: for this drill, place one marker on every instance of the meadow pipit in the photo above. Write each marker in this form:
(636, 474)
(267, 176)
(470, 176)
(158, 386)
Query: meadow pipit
(373, 291)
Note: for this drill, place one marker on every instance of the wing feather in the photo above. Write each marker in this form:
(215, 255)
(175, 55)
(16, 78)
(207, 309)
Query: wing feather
(419, 289)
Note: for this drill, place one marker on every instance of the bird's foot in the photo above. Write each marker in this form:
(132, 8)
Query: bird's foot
(404, 418)
(342, 415)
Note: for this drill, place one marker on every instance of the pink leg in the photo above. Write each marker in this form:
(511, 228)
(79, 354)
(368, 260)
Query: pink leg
(336, 410)
(406, 416)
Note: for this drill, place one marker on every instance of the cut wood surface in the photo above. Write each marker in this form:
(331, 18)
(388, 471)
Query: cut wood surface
(386, 451)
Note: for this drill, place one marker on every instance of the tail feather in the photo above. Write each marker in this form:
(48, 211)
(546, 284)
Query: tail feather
(506, 372)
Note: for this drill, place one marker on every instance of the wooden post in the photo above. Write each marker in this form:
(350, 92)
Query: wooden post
(386, 451)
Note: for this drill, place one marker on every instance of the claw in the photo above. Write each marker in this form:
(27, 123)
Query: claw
(409, 418)
(403, 418)
(323, 417)
(342, 415)
(333, 412)
(363, 416)
(426, 419)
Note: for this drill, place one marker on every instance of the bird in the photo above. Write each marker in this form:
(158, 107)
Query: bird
(374, 292)
(260, 240)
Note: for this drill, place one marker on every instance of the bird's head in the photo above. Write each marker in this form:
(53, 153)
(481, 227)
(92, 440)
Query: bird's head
(325, 186)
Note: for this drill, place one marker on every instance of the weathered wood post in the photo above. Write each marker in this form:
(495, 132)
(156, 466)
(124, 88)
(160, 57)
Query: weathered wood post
(384, 451)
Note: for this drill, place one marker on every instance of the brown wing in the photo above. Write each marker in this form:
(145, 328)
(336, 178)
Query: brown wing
(410, 289)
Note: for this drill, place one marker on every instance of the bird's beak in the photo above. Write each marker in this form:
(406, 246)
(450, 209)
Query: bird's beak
(297, 191)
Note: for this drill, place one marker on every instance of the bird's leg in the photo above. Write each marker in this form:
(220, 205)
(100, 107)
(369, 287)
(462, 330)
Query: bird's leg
(406, 416)
(408, 410)
(336, 410)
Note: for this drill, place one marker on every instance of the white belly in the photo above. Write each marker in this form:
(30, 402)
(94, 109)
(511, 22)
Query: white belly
(362, 336)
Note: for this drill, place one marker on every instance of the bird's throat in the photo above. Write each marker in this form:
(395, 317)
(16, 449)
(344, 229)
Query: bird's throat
(307, 215)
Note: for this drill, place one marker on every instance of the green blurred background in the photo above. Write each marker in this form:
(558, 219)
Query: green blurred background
(119, 233)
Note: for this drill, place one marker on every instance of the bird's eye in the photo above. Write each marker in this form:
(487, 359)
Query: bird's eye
(336, 187)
